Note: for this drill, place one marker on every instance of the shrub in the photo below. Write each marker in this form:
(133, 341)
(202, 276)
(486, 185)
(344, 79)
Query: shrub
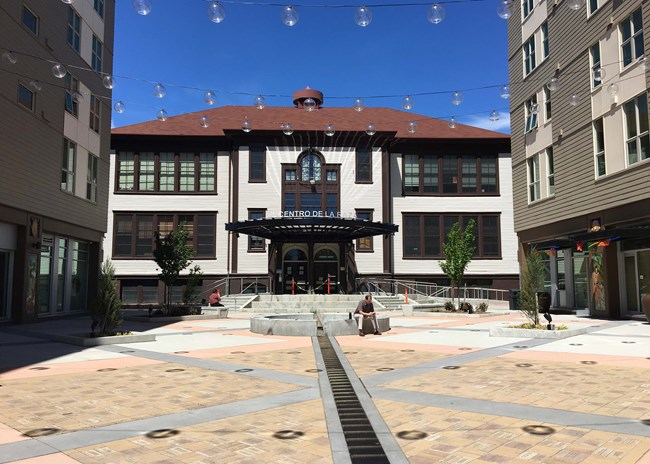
(482, 307)
(466, 307)
(106, 311)
(450, 306)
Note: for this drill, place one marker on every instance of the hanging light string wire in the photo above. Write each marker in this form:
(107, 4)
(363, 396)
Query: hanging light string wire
(334, 5)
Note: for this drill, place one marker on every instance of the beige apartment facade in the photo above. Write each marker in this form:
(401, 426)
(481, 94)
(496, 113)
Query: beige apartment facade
(581, 149)
(55, 134)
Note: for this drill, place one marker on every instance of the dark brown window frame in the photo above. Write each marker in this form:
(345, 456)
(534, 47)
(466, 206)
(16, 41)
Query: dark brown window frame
(156, 190)
(251, 247)
(32, 99)
(155, 224)
(258, 149)
(322, 186)
(37, 20)
(358, 247)
(442, 236)
(358, 180)
(459, 182)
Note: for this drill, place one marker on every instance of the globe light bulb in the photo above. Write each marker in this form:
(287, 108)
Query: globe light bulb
(36, 85)
(494, 115)
(599, 74)
(59, 71)
(574, 100)
(436, 13)
(210, 97)
(142, 7)
(68, 2)
(204, 121)
(287, 128)
(246, 126)
(553, 84)
(259, 102)
(119, 107)
(162, 116)
(77, 97)
(452, 122)
(159, 90)
(534, 108)
(407, 103)
(108, 81)
(9, 58)
(363, 16)
(505, 92)
(309, 104)
(216, 13)
(504, 9)
(358, 104)
(575, 5)
(371, 130)
(289, 15)
(612, 89)
(643, 62)
(329, 130)
(412, 127)
(456, 98)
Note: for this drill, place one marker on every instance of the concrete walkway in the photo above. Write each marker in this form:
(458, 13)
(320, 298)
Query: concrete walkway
(437, 388)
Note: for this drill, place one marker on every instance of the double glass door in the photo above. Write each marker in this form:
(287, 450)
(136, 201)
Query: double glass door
(637, 278)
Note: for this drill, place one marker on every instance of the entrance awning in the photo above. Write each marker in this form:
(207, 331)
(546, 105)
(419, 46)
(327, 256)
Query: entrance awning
(311, 229)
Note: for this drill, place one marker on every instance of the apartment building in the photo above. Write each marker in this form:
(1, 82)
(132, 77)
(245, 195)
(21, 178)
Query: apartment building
(55, 107)
(308, 198)
(581, 148)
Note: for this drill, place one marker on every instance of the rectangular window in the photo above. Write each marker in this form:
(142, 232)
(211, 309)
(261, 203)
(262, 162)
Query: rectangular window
(95, 113)
(550, 171)
(146, 172)
(257, 164)
(534, 192)
(411, 173)
(99, 7)
(637, 139)
(290, 175)
(529, 55)
(467, 174)
(289, 202)
(545, 48)
(632, 37)
(310, 202)
(25, 97)
(430, 174)
(30, 20)
(166, 172)
(531, 111)
(187, 221)
(449, 174)
(207, 164)
(205, 235)
(599, 147)
(526, 7)
(488, 174)
(186, 170)
(425, 234)
(144, 235)
(593, 5)
(67, 171)
(71, 97)
(126, 171)
(331, 203)
(331, 176)
(98, 54)
(123, 235)
(256, 243)
(596, 73)
(364, 244)
(547, 105)
(91, 178)
(363, 160)
(74, 29)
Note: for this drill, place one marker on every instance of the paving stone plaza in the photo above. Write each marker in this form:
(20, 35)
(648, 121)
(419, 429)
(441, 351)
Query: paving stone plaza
(436, 388)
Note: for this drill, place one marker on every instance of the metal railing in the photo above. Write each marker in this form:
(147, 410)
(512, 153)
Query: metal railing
(428, 290)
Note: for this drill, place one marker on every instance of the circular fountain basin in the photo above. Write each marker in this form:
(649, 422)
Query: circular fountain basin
(306, 324)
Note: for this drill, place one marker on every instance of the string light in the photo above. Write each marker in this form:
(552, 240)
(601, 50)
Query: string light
(163, 116)
(575, 5)
(358, 104)
(504, 9)
(246, 126)
(574, 100)
(494, 115)
(505, 92)
(534, 108)
(329, 130)
(216, 13)
(68, 2)
(108, 81)
(159, 90)
(142, 7)
(553, 84)
(204, 121)
(599, 74)
(612, 89)
(407, 103)
(412, 127)
(456, 98)
(287, 128)
(210, 97)
(36, 85)
(259, 102)
(77, 97)
(9, 58)
(370, 130)
(363, 16)
(436, 13)
(309, 104)
(289, 16)
(119, 107)
(452, 122)
(59, 71)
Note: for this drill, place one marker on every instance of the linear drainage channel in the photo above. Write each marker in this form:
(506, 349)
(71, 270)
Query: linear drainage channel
(363, 443)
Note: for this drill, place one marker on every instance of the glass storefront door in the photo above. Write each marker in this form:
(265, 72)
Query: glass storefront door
(637, 278)
(580, 279)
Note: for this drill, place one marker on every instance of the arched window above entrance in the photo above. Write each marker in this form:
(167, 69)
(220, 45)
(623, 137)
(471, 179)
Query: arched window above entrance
(325, 255)
(310, 166)
(295, 254)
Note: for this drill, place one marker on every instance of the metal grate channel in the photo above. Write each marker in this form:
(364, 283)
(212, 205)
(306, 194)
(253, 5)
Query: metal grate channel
(363, 443)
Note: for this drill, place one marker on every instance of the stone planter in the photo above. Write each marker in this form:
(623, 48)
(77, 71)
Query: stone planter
(535, 333)
(84, 340)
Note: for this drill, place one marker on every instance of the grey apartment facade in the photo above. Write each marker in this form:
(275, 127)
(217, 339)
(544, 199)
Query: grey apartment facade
(55, 103)
(581, 149)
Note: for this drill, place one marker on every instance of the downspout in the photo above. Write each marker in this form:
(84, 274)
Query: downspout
(229, 220)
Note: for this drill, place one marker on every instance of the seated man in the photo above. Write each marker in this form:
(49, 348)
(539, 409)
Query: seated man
(365, 309)
(215, 297)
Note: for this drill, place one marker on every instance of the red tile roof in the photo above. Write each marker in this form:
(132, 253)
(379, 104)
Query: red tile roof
(271, 117)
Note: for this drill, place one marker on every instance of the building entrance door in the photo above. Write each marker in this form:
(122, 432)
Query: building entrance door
(326, 265)
(295, 272)
(637, 278)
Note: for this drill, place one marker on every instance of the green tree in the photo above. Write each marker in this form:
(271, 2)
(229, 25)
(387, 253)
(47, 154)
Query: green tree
(172, 255)
(532, 281)
(189, 294)
(458, 250)
(106, 310)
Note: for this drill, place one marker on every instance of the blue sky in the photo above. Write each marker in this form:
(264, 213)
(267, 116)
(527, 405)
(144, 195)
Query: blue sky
(252, 52)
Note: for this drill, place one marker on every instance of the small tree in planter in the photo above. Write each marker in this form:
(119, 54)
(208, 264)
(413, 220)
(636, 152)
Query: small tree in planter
(458, 250)
(172, 255)
(532, 281)
(189, 294)
(106, 311)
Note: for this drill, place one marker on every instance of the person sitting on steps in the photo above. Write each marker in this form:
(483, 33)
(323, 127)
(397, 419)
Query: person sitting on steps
(215, 298)
(365, 309)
